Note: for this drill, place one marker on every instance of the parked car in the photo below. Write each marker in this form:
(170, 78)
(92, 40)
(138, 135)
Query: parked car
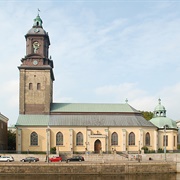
(75, 158)
(55, 159)
(30, 159)
(6, 158)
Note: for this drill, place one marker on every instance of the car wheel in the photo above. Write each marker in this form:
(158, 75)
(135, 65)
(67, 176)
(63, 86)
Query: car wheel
(59, 160)
(23, 160)
(8, 160)
(80, 160)
(34, 160)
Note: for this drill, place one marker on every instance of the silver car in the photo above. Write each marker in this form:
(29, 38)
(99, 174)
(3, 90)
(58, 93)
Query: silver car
(6, 158)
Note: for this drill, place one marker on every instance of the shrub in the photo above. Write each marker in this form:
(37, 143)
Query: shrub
(53, 150)
(160, 150)
(145, 148)
(178, 146)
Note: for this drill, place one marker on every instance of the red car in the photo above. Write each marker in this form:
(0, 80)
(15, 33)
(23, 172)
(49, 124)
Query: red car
(55, 159)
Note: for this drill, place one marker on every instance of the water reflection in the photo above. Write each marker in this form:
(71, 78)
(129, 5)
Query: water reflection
(91, 177)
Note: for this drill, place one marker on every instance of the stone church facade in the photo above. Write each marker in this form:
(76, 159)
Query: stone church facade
(78, 127)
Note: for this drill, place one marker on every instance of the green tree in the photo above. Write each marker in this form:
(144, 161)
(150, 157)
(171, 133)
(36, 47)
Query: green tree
(11, 140)
(147, 115)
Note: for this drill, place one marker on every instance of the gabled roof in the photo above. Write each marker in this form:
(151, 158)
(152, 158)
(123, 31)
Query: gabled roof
(87, 114)
(84, 120)
(92, 107)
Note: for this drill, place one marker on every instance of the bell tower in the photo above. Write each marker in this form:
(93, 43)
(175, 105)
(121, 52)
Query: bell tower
(36, 72)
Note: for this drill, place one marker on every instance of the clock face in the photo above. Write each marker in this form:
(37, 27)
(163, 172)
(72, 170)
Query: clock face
(36, 30)
(36, 46)
(35, 62)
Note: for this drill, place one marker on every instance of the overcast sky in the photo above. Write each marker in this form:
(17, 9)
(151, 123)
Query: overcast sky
(104, 51)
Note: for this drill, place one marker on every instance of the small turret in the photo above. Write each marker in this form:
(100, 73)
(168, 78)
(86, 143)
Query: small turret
(38, 21)
(159, 110)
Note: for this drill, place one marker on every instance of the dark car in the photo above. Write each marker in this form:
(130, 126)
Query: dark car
(55, 159)
(75, 158)
(30, 159)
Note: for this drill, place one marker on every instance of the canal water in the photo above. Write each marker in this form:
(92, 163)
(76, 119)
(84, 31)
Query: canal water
(91, 177)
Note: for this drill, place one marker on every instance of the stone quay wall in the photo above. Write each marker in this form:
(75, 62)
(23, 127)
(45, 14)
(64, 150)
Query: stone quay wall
(88, 168)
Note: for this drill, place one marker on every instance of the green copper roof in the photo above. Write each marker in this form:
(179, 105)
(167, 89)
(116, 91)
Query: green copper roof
(160, 122)
(159, 107)
(32, 120)
(91, 107)
(38, 21)
(92, 115)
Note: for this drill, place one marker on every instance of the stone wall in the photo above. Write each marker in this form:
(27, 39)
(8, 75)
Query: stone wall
(87, 168)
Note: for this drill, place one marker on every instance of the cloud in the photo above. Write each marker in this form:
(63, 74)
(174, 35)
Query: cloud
(143, 100)
(102, 52)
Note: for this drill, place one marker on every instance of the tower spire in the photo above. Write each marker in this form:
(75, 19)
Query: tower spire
(38, 21)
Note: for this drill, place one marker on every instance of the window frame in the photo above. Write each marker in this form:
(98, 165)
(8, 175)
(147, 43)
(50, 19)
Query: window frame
(147, 139)
(79, 139)
(114, 139)
(34, 139)
(165, 139)
(30, 86)
(131, 139)
(59, 139)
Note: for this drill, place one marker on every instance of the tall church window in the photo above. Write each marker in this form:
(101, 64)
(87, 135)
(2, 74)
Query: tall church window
(165, 140)
(34, 139)
(30, 86)
(38, 86)
(79, 139)
(131, 138)
(59, 138)
(114, 138)
(147, 139)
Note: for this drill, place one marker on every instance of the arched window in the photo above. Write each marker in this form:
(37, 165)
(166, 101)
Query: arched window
(131, 138)
(30, 86)
(147, 139)
(34, 139)
(59, 138)
(79, 138)
(114, 138)
(38, 86)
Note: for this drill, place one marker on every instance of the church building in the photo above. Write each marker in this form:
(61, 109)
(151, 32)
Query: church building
(44, 124)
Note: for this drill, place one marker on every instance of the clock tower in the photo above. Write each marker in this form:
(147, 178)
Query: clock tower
(36, 72)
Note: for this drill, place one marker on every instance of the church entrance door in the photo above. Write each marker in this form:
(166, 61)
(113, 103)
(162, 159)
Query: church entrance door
(97, 146)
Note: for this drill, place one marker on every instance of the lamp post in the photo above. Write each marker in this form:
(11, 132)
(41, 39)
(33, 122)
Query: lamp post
(139, 153)
(47, 153)
(165, 126)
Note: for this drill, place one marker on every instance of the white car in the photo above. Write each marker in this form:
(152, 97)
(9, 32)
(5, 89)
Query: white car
(6, 158)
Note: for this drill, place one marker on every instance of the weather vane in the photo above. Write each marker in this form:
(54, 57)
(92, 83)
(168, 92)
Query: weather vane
(38, 11)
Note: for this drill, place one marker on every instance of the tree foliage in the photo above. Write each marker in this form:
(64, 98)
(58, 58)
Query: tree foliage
(147, 115)
(11, 140)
